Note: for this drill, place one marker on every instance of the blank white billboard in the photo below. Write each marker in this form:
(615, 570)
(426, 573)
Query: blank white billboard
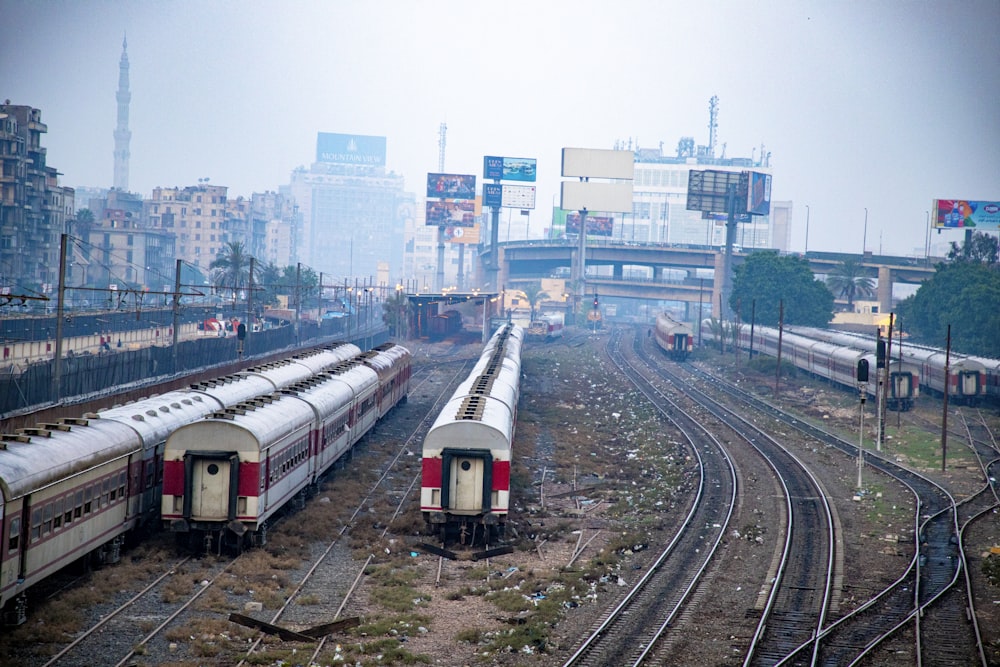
(604, 197)
(597, 163)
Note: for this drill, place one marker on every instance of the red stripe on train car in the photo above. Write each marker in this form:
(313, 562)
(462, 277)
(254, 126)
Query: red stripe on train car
(173, 478)
(430, 475)
(501, 475)
(249, 484)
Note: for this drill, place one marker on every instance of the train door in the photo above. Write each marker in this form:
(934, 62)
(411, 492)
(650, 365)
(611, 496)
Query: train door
(469, 481)
(968, 384)
(213, 479)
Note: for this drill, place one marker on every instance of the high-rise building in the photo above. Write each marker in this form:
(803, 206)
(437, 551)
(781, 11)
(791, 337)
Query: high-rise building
(196, 215)
(34, 208)
(123, 135)
(351, 217)
(274, 221)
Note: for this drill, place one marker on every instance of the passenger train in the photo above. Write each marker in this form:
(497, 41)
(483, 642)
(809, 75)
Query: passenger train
(226, 477)
(967, 379)
(465, 478)
(75, 489)
(675, 338)
(834, 362)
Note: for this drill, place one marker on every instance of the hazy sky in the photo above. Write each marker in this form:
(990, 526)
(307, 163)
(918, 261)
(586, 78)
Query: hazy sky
(878, 104)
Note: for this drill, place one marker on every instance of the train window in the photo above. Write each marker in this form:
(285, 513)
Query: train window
(47, 523)
(68, 506)
(57, 515)
(121, 484)
(105, 488)
(78, 510)
(88, 496)
(150, 467)
(36, 525)
(14, 535)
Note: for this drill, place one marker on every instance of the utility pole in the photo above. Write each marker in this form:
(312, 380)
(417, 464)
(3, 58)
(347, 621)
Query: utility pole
(60, 305)
(176, 314)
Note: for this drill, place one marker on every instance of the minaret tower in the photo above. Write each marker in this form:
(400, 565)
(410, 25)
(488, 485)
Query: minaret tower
(122, 133)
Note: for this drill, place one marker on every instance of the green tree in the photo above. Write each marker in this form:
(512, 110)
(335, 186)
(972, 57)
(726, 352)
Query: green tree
(270, 283)
(964, 294)
(534, 294)
(849, 281)
(981, 248)
(766, 279)
(395, 312)
(231, 269)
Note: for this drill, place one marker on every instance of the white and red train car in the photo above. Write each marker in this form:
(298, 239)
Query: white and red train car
(967, 379)
(228, 475)
(465, 477)
(831, 361)
(78, 488)
(676, 339)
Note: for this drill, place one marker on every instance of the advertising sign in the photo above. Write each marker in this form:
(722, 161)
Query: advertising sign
(596, 196)
(597, 163)
(467, 235)
(596, 225)
(509, 168)
(707, 190)
(460, 213)
(759, 194)
(451, 186)
(350, 149)
(983, 216)
(492, 194)
(518, 196)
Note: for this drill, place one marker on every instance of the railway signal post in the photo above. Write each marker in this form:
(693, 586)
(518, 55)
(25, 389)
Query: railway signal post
(862, 391)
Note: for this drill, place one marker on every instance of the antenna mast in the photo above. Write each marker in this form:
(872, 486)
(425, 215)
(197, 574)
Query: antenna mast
(713, 123)
(442, 142)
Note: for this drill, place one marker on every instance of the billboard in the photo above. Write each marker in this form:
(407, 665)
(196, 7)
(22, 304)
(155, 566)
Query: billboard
(598, 163)
(509, 168)
(467, 235)
(596, 196)
(759, 194)
(458, 213)
(451, 186)
(707, 190)
(596, 225)
(350, 149)
(982, 216)
(508, 196)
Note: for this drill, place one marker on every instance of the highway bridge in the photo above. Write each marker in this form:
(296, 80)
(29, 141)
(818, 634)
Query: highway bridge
(677, 273)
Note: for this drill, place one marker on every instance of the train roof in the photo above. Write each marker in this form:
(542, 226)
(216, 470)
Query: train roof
(472, 421)
(244, 427)
(232, 389)
(320, 360)
(157, 417)
(35, 458)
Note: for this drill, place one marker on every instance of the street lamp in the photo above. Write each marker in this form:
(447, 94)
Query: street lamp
(807, 229)
(864, 239)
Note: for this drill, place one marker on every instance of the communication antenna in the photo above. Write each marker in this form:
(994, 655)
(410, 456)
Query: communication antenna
(442, 142)
(713, 123)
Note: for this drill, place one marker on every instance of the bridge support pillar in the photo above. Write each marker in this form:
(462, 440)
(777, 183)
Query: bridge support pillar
(884, 289)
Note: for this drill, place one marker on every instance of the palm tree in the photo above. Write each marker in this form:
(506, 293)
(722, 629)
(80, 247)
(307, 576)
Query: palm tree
(849, 281)
(231, 268)
(534, 294)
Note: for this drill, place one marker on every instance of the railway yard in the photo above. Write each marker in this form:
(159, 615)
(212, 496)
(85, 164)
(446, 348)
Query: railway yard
(722, 531)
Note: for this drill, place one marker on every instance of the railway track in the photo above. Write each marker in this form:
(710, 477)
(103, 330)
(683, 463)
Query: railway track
(629, 633)
(139, 629)
(810, 557)
(937, 623)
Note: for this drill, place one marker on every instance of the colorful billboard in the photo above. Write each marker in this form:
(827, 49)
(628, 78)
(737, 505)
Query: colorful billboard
(596, 225)
(459, 213)
(509, 168)
(759, 194)
(350, 149)
(983, 216)
(451, 186)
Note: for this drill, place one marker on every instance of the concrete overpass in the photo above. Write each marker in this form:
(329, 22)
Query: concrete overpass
(670, 273)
